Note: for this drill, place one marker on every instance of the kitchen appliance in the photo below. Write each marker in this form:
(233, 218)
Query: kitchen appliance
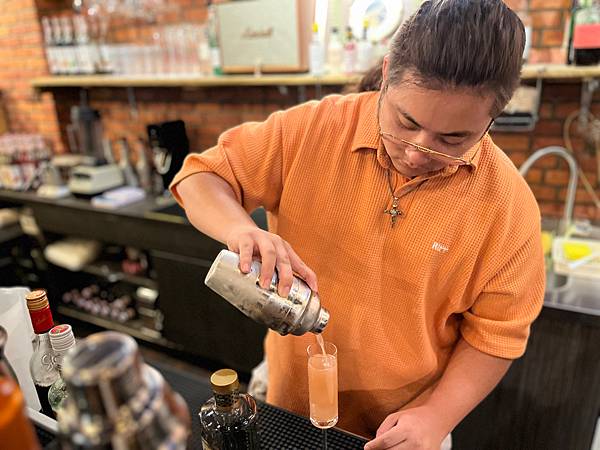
(300, 312)
(92, 180)
(170, 146)
(85, 133)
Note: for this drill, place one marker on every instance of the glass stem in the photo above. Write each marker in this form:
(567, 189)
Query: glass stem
(324, 438)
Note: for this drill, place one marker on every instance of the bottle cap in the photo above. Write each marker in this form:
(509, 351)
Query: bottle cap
(62, 338)
(225, 381)
(37, 300)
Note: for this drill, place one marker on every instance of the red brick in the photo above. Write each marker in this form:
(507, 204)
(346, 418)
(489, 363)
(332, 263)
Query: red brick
(558, 91)
(511, 141)
(536, 38)
(563, 110)
(551, 38)
(517, 158)
(546, 19)
(545, 141)
(539, 55)
(544, 193)
(587, 212)
(534, 176)
(551, 209)
(549, 4)
(556, 177)
(546, 110)
(549, 128)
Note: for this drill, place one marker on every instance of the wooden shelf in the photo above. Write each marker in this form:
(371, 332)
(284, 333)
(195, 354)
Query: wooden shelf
(112, 272)
(190, 80)
(530, 71)
(559, 72)
(132, 327)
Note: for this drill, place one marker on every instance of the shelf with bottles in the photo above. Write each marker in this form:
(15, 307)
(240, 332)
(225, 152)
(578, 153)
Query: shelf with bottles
(112, 263)
(133, 328)
(114, 306)
(530, 72)
(93, 295)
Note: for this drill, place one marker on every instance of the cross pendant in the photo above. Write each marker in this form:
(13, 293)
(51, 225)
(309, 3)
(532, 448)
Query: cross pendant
(394, 211)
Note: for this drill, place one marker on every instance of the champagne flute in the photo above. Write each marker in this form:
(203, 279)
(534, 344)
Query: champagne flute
(323, 386)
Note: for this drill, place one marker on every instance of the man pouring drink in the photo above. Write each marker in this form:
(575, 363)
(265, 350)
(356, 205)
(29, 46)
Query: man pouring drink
(417, 231)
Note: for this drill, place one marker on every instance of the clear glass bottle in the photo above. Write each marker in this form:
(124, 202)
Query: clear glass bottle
(228, 420)
(349, 59)
(42, 363)
(16, 431)
(335, 51)
(62, 340)
(364, 50)
(213, 41)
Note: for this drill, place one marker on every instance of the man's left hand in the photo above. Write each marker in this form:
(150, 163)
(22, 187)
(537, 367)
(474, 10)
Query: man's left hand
(412, 429)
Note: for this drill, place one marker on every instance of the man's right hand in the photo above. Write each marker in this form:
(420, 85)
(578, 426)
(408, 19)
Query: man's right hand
(274, 252)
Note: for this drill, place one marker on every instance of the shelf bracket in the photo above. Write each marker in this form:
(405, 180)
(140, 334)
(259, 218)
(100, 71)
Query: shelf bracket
(588, 88)
(301, 94)
(133, 109)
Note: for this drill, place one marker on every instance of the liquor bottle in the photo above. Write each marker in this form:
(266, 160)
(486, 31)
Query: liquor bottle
(228, 420)
(62, 340)
(42, 364)
(51, 49)
(349, 52)
(213, 41)
(16, 431)
(364, 50)
(586, 33)
(316, 53)
(335, 50)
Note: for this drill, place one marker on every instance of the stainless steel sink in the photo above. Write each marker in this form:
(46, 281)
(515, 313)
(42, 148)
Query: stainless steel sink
(572, 294)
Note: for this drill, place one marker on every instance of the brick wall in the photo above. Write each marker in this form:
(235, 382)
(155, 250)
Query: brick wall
(21, 59)
(207, 112)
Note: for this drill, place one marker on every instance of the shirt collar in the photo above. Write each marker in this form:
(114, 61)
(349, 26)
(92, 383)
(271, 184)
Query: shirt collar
(366, 134)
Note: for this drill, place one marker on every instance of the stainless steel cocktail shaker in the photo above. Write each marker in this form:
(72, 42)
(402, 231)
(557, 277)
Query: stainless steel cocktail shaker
(300, 312)
(116, 402)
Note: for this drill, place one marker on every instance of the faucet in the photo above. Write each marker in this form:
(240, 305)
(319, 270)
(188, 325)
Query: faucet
(573, 178)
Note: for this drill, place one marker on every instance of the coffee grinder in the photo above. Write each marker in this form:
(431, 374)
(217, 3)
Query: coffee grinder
(170, 146)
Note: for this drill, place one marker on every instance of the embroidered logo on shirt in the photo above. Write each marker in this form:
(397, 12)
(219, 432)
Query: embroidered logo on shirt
(439, 247)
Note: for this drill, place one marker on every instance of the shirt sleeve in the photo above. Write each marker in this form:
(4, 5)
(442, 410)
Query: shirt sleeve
(499, 321)
(250, 157)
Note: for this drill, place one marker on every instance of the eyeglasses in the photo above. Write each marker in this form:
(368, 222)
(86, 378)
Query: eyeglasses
(443, 157)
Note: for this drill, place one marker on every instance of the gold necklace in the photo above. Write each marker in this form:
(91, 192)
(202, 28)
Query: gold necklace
(394, 211)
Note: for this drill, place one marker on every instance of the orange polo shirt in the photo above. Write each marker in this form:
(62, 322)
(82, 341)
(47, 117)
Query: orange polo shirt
(464, 260)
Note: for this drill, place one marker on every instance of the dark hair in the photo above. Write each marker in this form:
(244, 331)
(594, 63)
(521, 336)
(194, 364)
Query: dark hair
(457, 43)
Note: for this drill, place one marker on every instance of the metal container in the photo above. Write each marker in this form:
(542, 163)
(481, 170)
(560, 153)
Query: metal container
(118, 402)
(300, 312)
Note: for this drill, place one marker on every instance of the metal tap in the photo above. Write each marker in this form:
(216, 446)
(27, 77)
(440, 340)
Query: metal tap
(573, 174)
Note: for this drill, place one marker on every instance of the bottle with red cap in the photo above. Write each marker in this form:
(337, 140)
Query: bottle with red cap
(42, 364)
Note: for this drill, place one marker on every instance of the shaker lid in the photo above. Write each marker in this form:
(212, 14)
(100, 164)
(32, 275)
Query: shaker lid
(225, 381)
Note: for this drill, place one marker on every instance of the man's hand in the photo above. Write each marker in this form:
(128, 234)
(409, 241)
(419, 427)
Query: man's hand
(274, 252)
(412, 429)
